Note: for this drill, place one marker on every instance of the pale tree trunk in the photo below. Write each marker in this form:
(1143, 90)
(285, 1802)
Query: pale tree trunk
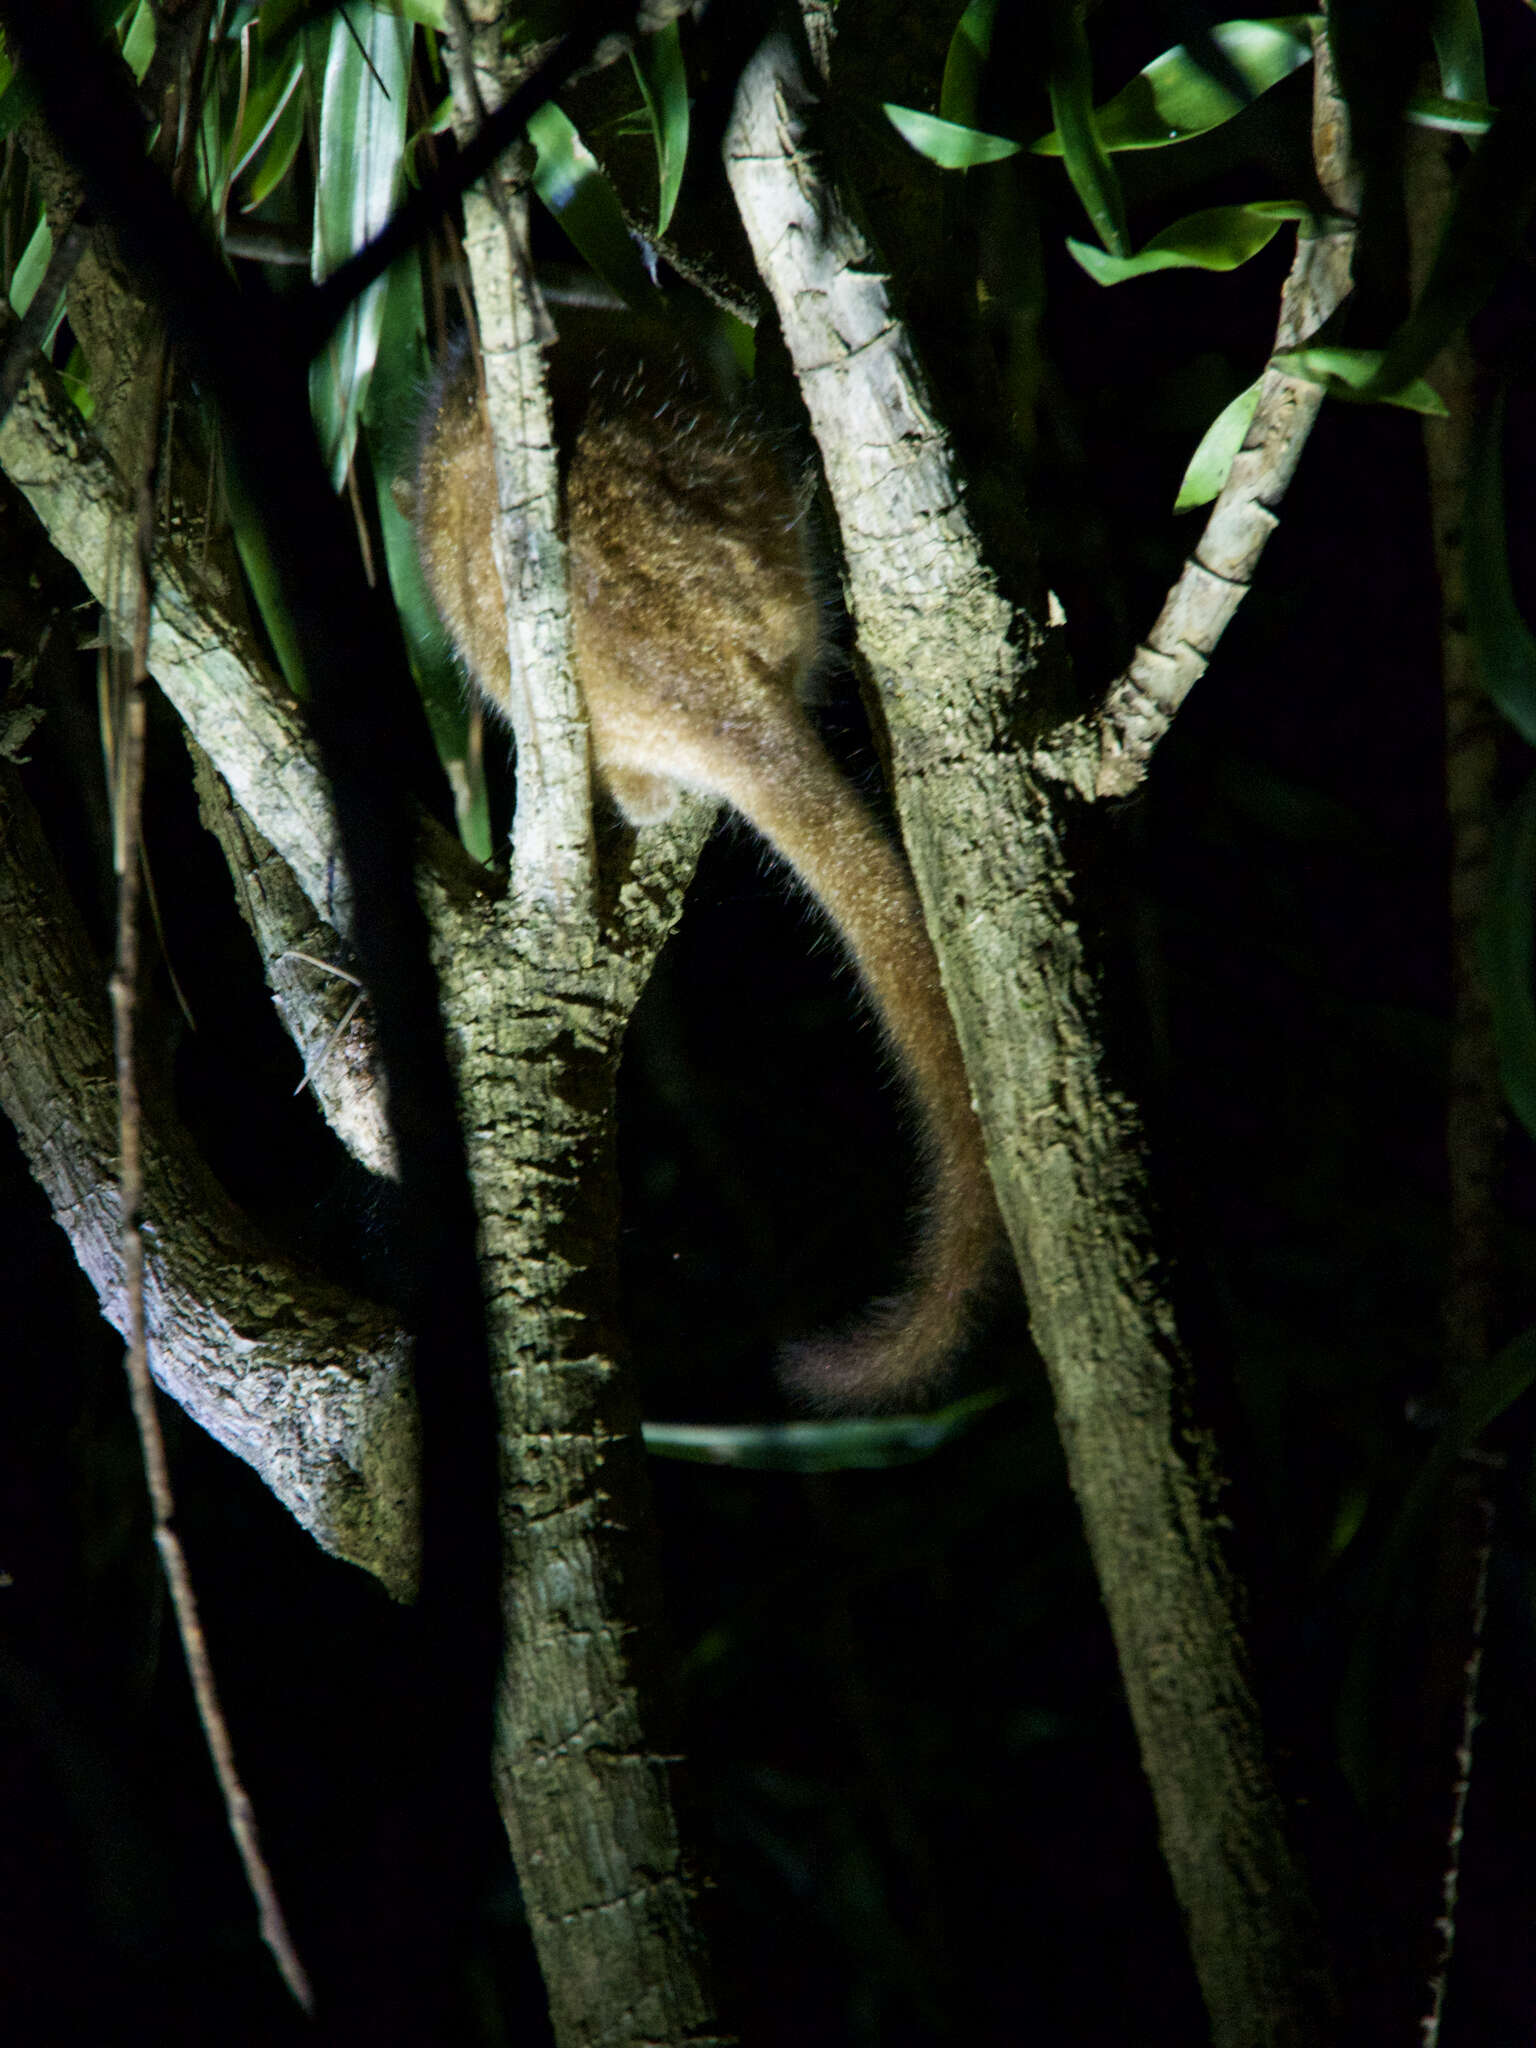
(987, 815)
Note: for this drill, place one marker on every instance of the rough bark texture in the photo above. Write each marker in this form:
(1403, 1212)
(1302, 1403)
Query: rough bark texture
(1142, 703)
(320, 1405)
(310, 1387)
(535, 1006)
(583, 1790)
(552, 853)
(537, 995)
(985, 830)
(321, 1003)
(535, 1012)
(200, 654)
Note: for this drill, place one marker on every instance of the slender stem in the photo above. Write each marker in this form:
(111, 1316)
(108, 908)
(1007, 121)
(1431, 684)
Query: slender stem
(129, 789)
(1450, 1881)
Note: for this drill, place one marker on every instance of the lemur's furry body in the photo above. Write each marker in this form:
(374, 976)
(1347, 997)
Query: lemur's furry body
(694, 621)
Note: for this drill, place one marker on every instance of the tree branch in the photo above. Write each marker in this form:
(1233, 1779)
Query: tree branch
(987, 837)
(305, 1383)
(324, 1012)
(200, 653)
(553, 858)
(1140, 705)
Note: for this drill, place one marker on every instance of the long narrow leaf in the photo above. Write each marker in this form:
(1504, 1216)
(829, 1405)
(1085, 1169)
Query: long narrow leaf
(1506, 647)
(362, 145)
(837, 1446)
(1219, 238)
(276, 80)
(1211, 463)
(1356, 374)
(569, 180)
(1450, 117)
(261, 578)
(394, 389)
(282, 143)
(1088, 166)
(1483, 237)
(946, 143)
(139, 42)
(658, 62)
(970, 47)
(1458, 38)
(31, 266)
(1173, 98)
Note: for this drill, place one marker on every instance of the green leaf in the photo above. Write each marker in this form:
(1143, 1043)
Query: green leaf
(1506, 648)
(1093, 177)
(28, 277)
(969, 49)
(1219, 238)
(1505, 954)
(76, 381)
(139, 42)
(1492, 1390)
(658, 62)
(261, 577)
(429, 13)
(946, 143)
(394, 397)
(282, 143)
(1353, 373)
(569, 181)
(1349, 1517)
(31, 266)
(1173, 98)
(741, 341)
(1212, 461)
(820, 1446)
(269, 96)
(210, 158)
(1483, 237)
(278, 21)
(1458, 38)
(17, 101)
(1452, 117)
(362, 145)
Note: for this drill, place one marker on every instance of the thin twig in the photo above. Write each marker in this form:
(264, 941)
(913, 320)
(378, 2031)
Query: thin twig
(1450, 1883)
(1474, 1110)
(1141, 704)
(313, 1066)
(129, 785)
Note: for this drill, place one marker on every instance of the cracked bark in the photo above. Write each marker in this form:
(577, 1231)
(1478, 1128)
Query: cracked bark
(534, 1014)
(310, 1386)
(987, 814)
(535, 1009)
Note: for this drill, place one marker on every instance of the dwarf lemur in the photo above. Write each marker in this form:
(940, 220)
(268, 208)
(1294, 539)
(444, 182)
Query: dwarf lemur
(694, 622)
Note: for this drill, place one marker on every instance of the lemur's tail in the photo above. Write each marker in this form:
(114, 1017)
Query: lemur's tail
(903, 1349)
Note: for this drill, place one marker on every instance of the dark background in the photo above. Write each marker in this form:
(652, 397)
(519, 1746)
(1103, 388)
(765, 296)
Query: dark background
(917, 1783)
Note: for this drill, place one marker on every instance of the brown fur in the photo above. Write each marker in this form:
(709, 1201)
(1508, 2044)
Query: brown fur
(694, 622)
